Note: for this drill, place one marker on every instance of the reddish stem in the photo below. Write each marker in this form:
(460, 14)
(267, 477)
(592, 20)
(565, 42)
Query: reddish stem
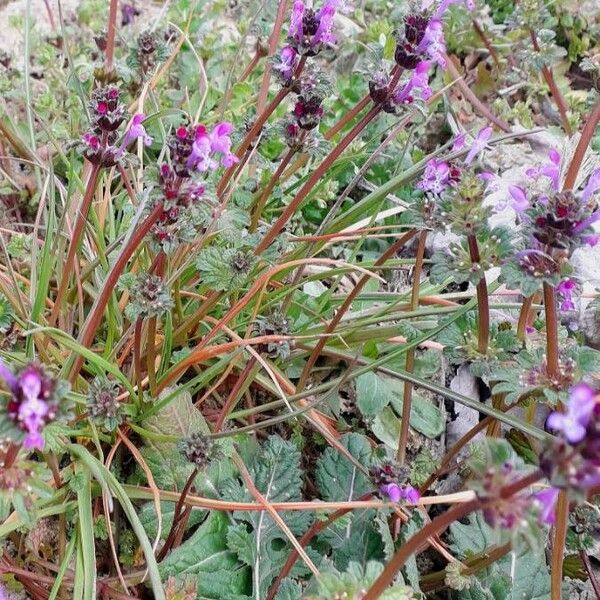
(486, 41)
(111, 34)
(264, 195)
(80, 222)
(551, 331)
(234, 393)
(435, 527)
(483, 305)
(349, 116)
(558, 97)
(290, 209)
(93, 320)
(474, 101)
(584, 141)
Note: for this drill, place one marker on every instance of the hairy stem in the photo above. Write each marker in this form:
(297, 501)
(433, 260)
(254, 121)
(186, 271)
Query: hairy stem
(483, 305)
(585, 559)
(137, 355)
(524, 317)
(486, 41)
(410, 355)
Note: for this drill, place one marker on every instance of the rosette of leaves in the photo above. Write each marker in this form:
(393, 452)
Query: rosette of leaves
(150, 296)
(274, 324)
(456, 263)
(224, 269)
(462, 207)
(527, 270)
(461, 344)
(148, 51)
(104, 408)
(529, 380)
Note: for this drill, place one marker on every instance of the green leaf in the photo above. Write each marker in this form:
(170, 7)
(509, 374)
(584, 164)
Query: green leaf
(206, 556)
(386, 427)
(86, 537)
(356, 539)
(256, 539)
(425, 417)
(372, 394)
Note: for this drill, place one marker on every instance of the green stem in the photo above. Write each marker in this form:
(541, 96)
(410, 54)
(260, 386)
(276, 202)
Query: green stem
(410, 355)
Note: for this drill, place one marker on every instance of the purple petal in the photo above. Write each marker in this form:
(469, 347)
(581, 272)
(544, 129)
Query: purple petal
(392, 491)
(9, 379)
(547, 499)
(592, 186)
(411, 494)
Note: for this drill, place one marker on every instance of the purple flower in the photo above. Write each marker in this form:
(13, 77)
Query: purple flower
(565, 289)
(393, 491)
(479, 143)
(433, 43)
(324, 33)
(444, 4)
(287, 62)
(546, 499)
(207, 144)
(573, 423)
(136, 130)
(550, 170)
(519, 198)
(419, 81)
(459, 142)
(411, 494)
(436, 177)
(33, 402)
(296, 29)
(128, 14)
(591, 187)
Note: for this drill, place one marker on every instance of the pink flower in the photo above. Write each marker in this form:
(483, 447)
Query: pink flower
(444, 4)
(573, 423)
(479, 144)
(200, 156)
(221, 142)
(395, 492)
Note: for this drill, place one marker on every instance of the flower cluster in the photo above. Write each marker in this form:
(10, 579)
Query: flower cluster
(572, 462)
(198, 450)
(35, 400)
(554, 222)
(194, 148)
(99, 143)
(103, 404)
(150, 296)
(148, 51)
(390, 479)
